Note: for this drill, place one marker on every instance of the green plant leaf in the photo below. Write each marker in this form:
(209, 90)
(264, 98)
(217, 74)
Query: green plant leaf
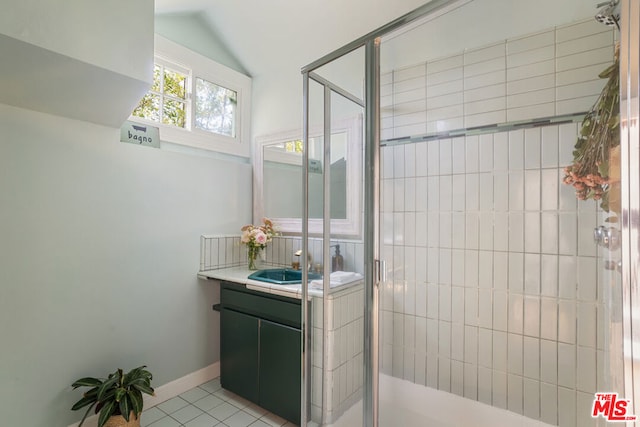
(136, 401)
(609, 71)
(84, 417)
(107, 410)
(125, 407)
(86, 400)
(87, 382)
(120, 393)
(144, 388)
(105, 386)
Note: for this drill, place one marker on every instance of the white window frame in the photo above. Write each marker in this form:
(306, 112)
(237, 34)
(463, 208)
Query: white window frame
(175, 56)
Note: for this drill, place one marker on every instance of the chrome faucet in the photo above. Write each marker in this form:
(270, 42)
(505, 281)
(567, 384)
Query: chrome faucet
(309, 259)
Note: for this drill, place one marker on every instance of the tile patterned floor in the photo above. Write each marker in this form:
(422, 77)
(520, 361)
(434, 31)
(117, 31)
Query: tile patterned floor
(208, 405)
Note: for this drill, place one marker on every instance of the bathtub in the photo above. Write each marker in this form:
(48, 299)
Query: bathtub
(405, 404)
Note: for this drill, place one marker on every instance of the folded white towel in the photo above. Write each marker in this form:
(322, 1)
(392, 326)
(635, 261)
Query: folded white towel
(337, 278)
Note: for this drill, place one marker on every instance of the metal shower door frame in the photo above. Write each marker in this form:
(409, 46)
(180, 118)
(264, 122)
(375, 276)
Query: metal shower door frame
(630, 197)
(373, 270)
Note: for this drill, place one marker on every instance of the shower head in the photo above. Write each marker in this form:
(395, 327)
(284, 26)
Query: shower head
(610, 13)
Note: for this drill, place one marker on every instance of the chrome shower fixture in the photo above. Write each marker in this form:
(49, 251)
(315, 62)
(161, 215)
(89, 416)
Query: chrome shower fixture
(610, 13)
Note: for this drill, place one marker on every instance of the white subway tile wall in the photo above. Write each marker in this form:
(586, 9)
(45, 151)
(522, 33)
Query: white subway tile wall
(343, 379)
(499, 301)
(544, 74)
(503, 278)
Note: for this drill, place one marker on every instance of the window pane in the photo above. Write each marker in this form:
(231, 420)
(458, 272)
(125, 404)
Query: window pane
(149, 108)
(156, 78)
(173, 113)
(175, 83)
(293, 146)
(215, 108)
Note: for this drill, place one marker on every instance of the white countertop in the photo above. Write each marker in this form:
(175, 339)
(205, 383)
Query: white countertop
(240, 275)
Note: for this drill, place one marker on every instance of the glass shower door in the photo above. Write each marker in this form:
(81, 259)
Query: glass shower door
(334, 238)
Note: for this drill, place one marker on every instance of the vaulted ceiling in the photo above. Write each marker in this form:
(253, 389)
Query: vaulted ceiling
(271, 35)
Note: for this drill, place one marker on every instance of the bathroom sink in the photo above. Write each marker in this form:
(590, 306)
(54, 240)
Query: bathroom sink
(281, 276)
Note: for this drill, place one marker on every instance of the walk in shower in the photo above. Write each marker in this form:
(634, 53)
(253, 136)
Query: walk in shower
(492, 295)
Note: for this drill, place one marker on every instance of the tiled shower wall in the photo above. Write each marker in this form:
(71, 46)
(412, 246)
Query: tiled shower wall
(492, 291)
(550, 73)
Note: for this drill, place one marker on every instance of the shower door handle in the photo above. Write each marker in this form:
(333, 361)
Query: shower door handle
(381, 271)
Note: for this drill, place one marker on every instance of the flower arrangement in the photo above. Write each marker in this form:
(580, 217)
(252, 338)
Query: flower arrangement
(591, 171)
(256, 238)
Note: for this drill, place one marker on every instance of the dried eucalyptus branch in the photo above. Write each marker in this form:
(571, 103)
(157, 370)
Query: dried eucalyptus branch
(589, 172)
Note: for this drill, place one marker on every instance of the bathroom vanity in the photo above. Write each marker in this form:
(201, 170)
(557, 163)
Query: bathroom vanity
(260, 348)
(260, 344)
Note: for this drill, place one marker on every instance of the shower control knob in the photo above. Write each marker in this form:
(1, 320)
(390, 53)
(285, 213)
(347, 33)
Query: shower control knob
(608, 238)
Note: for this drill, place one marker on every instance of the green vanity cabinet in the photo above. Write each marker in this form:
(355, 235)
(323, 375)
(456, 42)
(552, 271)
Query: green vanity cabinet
(239, 353)
(280, 370)
(260, 349)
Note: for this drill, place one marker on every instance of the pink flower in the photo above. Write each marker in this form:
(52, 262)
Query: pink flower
(260, 237)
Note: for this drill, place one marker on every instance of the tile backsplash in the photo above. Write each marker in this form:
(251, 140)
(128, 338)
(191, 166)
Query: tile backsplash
(227, 251)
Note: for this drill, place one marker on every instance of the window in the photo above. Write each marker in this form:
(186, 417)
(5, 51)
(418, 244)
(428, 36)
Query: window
(166, 100)
(215, 108)
(196, 101)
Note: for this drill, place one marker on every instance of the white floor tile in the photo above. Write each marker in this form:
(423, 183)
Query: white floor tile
(208, 403)
(166, 422)
(194, 394)
(151, 416)
(204, 420)
(172, 405)
(211, 386)
(255, 410)
(273, 420)
(240, 419)
(223, 411)
(186, 414)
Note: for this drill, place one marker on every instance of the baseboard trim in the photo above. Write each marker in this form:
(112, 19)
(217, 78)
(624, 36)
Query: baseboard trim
(170, 390)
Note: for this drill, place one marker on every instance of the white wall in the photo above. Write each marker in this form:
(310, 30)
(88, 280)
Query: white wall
(192, 31)
(115, 35)
(277, 103)
(98, 259)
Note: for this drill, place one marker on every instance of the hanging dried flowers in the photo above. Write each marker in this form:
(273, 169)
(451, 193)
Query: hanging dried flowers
(590, 171)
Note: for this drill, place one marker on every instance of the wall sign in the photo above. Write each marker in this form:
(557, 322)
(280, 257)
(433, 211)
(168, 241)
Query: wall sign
(136, 133)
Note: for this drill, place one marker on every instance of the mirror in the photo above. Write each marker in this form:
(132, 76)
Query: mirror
(278, 179)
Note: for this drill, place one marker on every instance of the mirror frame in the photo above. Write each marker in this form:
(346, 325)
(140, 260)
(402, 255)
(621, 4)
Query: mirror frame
(351, 226)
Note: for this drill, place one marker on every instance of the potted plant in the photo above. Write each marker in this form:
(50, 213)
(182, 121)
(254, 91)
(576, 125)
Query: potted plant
(118, 398)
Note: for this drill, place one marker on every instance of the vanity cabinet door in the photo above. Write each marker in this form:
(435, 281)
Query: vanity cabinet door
(280, 370)
(239, 353)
